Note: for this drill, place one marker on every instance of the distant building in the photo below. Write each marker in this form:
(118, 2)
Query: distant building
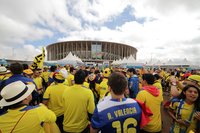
(88, 51)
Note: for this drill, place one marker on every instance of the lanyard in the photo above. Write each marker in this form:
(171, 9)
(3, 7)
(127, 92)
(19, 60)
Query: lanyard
(179, 115)
(18, 122)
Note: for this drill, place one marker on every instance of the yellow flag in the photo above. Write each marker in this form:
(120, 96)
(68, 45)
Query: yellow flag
(38, 60)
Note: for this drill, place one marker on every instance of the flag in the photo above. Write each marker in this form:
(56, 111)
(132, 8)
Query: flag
(39, 60)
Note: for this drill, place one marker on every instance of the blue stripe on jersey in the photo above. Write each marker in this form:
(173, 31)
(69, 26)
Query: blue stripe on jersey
(111, 103)
(121, 117)
(30, 107)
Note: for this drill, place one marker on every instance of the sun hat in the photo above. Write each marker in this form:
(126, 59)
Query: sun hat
(15, 92)
(3, 70)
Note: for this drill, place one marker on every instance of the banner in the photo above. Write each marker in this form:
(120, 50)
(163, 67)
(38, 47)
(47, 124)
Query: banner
(96, 51)
(39, 60)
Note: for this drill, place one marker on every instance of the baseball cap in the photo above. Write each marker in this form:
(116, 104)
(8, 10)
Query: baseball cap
(195, 78)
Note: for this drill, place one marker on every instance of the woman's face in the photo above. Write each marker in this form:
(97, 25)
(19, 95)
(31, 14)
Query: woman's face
(191, 94)
(143, 82)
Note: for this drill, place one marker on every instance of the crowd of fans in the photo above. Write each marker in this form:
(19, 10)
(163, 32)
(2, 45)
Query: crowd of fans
(86, 99)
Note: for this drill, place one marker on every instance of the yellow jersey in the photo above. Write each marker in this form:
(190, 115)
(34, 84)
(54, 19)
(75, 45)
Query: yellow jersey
(86, 84)
(186, 110)
(70, 79)
(33, 118)
(45, 76)
(64, 83)
(78, 101)
(38, 82)
(103, 88)
(54, 94)
(154, 103)
(157, 84)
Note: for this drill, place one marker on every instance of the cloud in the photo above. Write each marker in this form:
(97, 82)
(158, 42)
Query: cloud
(97, 11)
(157, 28)
(23, 21)
(34, 20)
(23, 52)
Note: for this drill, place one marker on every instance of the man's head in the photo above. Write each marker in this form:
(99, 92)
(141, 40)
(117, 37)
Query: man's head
(16, 68)
(45, 69)
(72, 70)
(79, 77)
(92, 69)
(82, 67)
(131, 71)
(86, 73)
(60, 76)
(117, 83)
(157, 76)
(148, 79)
(53, 68)
(37, 72)
(16, 92)
(25, 66)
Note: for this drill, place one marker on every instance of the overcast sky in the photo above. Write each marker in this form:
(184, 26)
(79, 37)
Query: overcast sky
(159, 29)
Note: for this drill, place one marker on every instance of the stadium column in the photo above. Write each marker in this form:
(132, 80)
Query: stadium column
(58, 48)
(63, 45)
(119, 51)
(48, 54)
(81, 51)
(110, 51)
(59, 51)
(127, 52)
(67, 48)
(64, 50)
(122, 51)
(51, 53)
(54, 52)
(114, 51)
(119, 55)
(86, 50)
(76, 49)
(105, 50)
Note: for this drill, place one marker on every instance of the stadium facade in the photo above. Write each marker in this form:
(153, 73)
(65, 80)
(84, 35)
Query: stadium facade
(96, 51)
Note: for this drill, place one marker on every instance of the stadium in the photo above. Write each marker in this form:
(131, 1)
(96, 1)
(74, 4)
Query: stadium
(96, 51)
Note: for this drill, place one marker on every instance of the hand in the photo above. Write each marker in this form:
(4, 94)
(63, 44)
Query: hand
(183, 122)
(197, 115)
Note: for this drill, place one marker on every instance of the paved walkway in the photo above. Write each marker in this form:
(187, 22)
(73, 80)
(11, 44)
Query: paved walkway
(165, 117)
